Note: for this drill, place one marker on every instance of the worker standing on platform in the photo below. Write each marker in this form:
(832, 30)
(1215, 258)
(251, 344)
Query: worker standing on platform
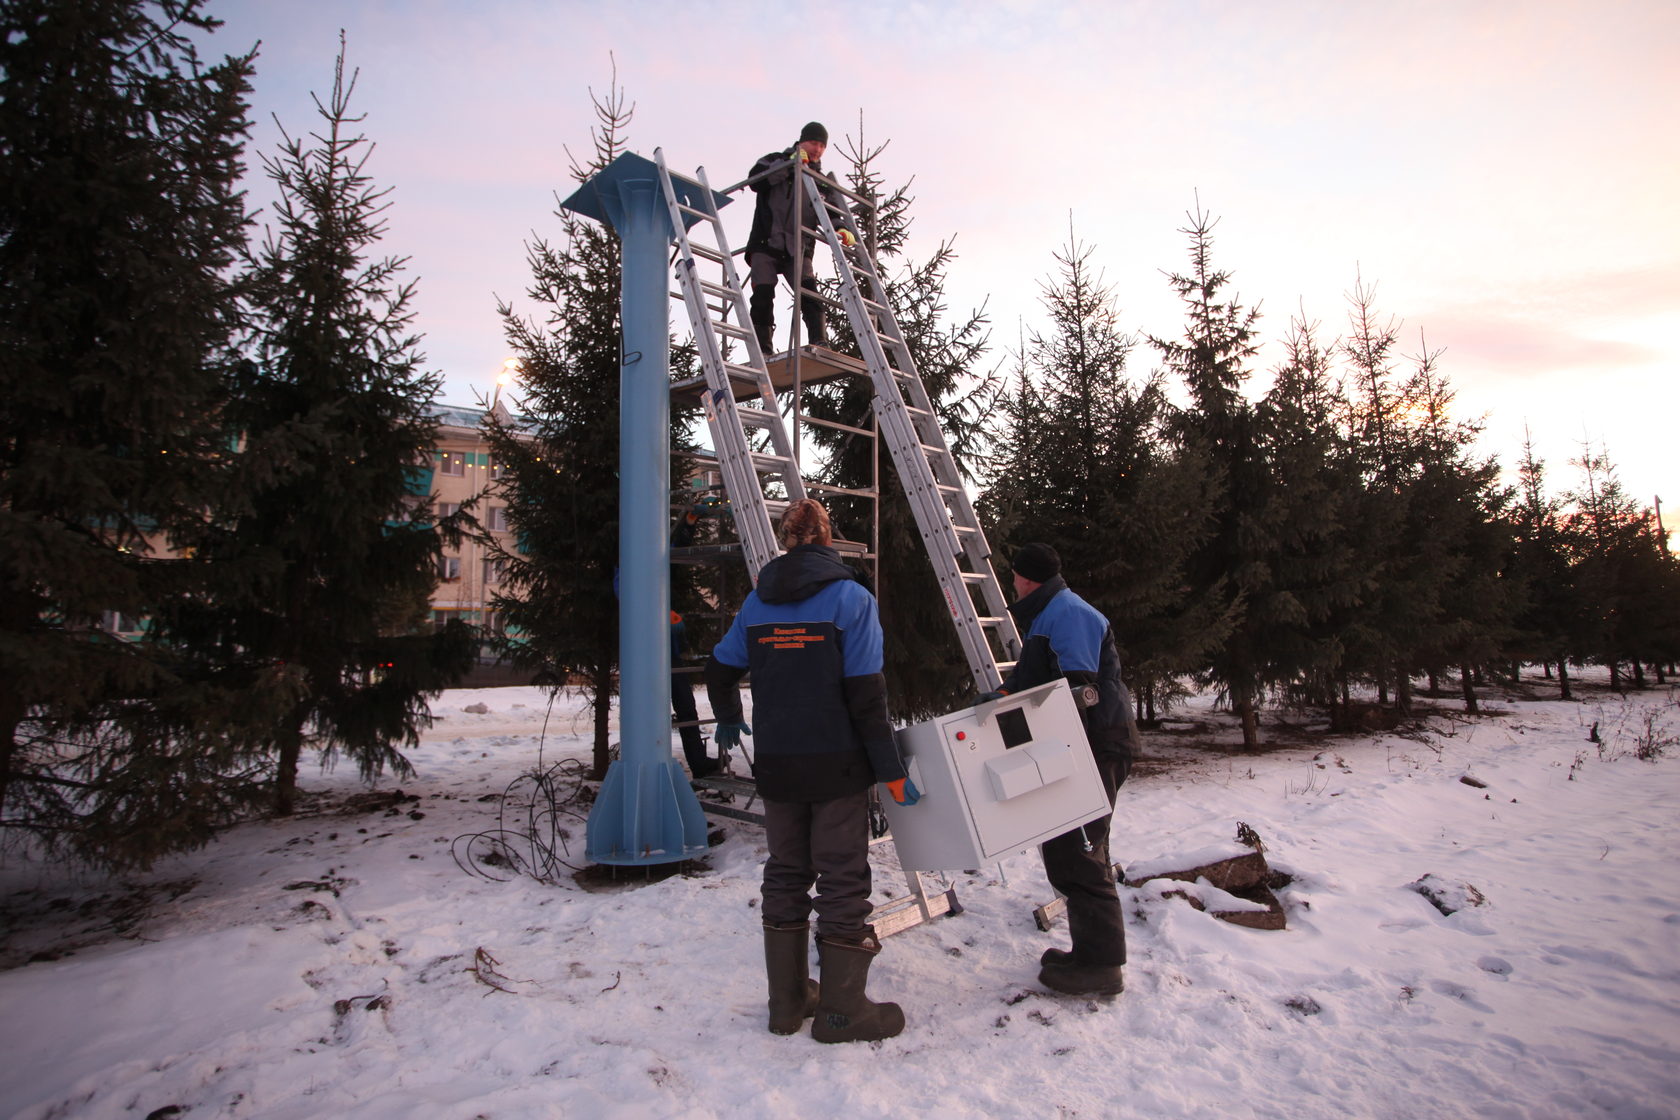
(1064, 636)
(811, 638)
(783, 209)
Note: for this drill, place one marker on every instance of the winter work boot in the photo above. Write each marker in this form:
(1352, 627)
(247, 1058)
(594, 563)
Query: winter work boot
(1071, 978)
(845, 1013)
(787, 963)
(1061, 958)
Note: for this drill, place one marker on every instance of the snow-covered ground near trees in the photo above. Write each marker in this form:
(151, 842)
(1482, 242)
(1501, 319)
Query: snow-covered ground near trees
(341, 964)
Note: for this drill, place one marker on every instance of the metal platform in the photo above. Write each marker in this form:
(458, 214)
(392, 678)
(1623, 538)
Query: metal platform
(813, 365)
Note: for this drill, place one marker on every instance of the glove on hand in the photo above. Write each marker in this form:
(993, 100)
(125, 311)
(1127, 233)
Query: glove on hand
(728, 735)
(903, 791)
(846, 237)
(986, 698)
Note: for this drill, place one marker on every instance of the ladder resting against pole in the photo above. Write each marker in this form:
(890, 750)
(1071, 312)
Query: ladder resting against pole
(763, 480)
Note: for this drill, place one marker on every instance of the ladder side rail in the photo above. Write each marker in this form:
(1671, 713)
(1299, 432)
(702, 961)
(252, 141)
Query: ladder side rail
(976, 547)
(739, 464)
(927, 493)
(768, 404)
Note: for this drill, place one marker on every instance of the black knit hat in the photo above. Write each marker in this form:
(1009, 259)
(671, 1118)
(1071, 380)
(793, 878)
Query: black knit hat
(813, 131)
(1037, 562)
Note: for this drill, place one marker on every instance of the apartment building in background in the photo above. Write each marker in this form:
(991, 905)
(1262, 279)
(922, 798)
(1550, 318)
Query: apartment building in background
(462, 470)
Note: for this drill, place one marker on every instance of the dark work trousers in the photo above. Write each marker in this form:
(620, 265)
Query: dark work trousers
(682, 706)
(766, 268)
(1087, 879)
(825, 843)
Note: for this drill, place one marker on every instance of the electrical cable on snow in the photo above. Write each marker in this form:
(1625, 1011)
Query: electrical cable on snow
(527, 838)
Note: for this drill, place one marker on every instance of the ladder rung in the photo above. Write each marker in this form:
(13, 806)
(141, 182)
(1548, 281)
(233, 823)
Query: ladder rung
(771, 464)
(724, 326)
(710, 254)
(687, 209)
(723, 291)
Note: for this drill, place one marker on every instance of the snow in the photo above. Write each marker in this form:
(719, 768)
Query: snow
(340, 964)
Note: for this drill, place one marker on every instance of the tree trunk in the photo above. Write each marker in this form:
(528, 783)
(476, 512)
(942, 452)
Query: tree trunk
(290, 741)
(1403, 691)
(600, 684)
(1469, 686)
(1546, 670)
(1563, 679)
(1250, 724)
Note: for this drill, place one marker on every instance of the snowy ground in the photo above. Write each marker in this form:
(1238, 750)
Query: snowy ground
(341, 964)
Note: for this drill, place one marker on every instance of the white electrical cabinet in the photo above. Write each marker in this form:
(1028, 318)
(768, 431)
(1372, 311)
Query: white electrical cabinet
(995, 779)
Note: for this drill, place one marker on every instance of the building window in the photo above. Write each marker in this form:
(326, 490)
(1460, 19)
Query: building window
(498, 519)
(449, 569)
(452, 463)
(448, 509)
(496, 468)
(492, 570)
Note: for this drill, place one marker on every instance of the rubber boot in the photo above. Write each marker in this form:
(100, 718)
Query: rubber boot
(816, 328)
(844, 1012)
(762, 311)
(787, 963)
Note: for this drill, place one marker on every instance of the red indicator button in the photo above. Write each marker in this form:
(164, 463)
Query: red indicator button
(962, 735)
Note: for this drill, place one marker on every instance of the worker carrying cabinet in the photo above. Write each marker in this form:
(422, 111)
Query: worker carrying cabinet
(996, 778)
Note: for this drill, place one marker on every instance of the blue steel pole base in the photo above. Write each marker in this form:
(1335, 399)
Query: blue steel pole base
(646, 813)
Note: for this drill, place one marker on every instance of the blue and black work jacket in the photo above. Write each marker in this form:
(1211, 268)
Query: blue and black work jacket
(1064, 636)
(811, 638)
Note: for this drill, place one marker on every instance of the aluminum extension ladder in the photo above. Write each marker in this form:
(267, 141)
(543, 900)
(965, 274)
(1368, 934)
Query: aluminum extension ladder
(951, 532)
(717, 311)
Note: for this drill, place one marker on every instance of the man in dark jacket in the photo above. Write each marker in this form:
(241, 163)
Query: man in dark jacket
(811, 638)
(783, 209)
(1064, 636)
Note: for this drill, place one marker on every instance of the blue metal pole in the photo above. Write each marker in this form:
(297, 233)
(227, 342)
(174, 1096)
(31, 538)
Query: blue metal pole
(646, 811)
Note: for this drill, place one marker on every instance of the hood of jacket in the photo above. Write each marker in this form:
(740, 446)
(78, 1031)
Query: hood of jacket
(800, 573)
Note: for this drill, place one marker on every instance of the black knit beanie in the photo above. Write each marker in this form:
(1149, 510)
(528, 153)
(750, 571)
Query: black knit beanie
(1037, 562)
(813, 131)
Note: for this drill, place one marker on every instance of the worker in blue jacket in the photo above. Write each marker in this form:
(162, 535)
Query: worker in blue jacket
(1064, 636)
(811, 638)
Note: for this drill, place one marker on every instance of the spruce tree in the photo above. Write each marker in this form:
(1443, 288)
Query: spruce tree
(1083, 465)
(1620, 571)
(1459, 530)
(1549, 624)
(1232, 567)
(335, 413)
(1314, 580)
(120, 219)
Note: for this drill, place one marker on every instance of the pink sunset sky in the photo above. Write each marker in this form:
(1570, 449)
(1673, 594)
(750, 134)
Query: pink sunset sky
(1504, 173)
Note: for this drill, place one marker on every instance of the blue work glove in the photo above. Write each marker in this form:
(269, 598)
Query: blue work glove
(903, 791)
(728, 734)
(986, 698)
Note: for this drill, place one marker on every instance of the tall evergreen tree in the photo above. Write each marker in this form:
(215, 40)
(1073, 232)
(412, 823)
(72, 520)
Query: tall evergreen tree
(1232, 568)
(1083, 465)
(1460, 531)
(1388, 532)
(336, 415)
(1549, 624)
(120, 217)
(1314, 581)
(1620, 570)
